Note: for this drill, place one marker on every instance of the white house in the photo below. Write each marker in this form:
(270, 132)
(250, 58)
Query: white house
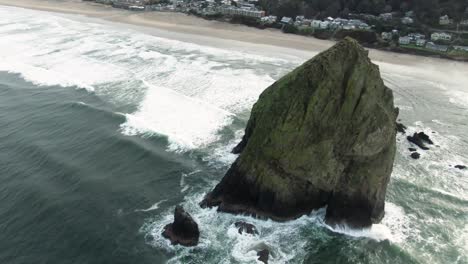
(445, 20)
(420, 42)
(404, 40)
(441, 36)
(316, 23)
(387, 35)
(324, 25)
(461, 48)
(416, 36)
(286, 20)
(386, 16)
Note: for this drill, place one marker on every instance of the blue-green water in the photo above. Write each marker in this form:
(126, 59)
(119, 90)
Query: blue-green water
(104, 130)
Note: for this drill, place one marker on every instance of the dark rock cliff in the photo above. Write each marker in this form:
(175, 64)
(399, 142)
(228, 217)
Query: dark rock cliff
(324, 134)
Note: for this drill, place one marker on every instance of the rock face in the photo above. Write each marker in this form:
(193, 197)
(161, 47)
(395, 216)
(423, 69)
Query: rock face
(460, 167)
(184, 230)
(263, 255)
(324, 134)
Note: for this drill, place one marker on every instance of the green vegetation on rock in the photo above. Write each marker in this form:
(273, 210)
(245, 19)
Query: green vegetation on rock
(324, 134)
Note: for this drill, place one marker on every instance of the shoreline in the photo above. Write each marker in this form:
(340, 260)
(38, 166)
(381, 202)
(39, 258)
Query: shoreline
(196, 30)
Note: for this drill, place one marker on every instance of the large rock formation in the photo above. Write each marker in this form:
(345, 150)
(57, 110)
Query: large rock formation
(324, 134)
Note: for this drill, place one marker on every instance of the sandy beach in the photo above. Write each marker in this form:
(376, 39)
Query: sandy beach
(196, 30)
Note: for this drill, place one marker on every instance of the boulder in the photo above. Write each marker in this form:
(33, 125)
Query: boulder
(419, 139)
(246, 227)
(412, 149)
(263, 255)
(324, 134)
(415, 155)
(400, 128)
(184, 230)
(460, 167)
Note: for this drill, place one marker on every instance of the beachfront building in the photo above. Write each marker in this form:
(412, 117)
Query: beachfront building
(445, 20)
(268, 20)
(420, 42)
(404, 40)
(441, 36)
(235, 11)
(434, 47)
(461, 48)
(324, 24)
(286, 20)
(315, 23)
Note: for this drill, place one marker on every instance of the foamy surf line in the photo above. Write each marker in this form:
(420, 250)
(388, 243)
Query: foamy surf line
(286, 241)
(183, 91)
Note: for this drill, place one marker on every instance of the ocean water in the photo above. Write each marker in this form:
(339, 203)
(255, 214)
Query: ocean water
(106, 129)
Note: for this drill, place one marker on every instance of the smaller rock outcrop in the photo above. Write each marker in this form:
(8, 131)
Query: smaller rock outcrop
(415, 155)
(263, 255)
(184, 230)
(246, 227)
(400, 128)
(460, 167)
(419, 139)
(412, 149)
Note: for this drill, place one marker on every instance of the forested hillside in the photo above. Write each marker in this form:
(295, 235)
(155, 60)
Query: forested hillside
(427, 11)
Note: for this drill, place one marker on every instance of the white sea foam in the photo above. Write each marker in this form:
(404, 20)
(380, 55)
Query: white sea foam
(151, 208)
(183, 91)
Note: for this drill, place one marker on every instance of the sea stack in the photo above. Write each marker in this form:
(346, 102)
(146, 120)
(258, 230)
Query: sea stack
(184, 230)
(322, 135)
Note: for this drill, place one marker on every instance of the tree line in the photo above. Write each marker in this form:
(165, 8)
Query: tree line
(426, 11)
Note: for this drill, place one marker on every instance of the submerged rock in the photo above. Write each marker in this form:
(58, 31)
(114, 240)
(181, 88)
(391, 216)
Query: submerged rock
(419, 139)
(460, 167)
(246, 227)
(184, 230)
(415, 155)
(263, 255)
(324, 134)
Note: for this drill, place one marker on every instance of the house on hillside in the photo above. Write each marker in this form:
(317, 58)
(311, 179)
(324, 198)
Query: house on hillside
(441, 36)
(386, 16)
(416, 36)
(404, 40)
(445, 20)
(387, 36)
(409, 14)
(435, 47)
(407, 20)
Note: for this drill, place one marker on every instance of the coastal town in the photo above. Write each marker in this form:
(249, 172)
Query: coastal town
(394, 31)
